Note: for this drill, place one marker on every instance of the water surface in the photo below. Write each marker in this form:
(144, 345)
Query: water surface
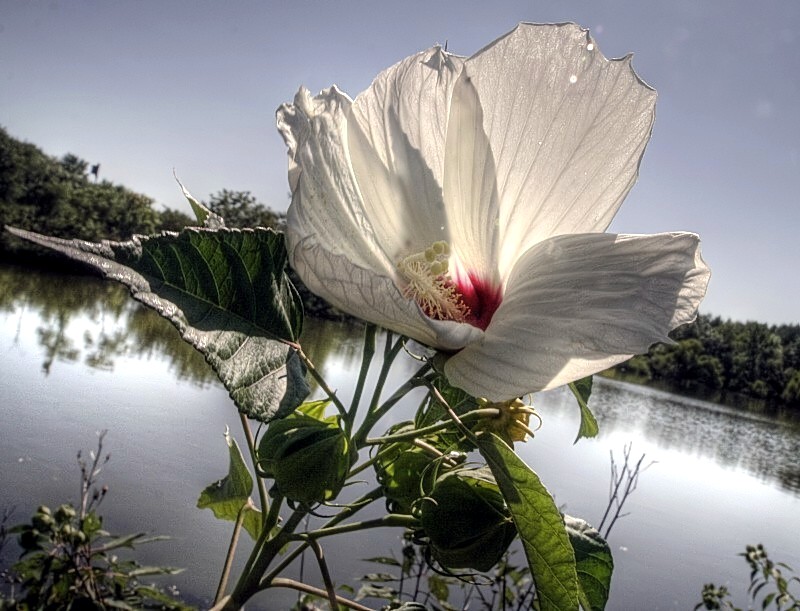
(78, 355)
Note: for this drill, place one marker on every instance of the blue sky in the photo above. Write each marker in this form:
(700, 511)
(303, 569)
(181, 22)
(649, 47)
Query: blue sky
(142, 87)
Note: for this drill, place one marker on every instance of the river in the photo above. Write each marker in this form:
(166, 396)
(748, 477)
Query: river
(78, 356)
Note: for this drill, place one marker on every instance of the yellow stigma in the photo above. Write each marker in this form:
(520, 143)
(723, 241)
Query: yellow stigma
(430, 285)
(512, 422)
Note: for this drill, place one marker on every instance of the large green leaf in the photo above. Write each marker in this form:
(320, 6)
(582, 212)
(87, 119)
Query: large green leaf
(539, 523)
(593, 561)
(227, 293)
(228, 496)
(582, 389)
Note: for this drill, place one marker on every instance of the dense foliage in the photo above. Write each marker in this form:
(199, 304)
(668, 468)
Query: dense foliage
(723, 359)
(57, 196)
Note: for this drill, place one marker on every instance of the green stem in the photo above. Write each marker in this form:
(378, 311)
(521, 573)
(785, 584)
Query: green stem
(390, 352)
(263, 554)
(392, 519)
(226, 569)
(320, 380)
(282, 582)
(376, 413)
(352, 509)
(488, 412)
(251, 444)
(370, 331)
(323, 570)
(271, 519)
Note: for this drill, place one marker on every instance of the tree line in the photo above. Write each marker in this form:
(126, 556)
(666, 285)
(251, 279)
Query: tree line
(723, 359)
(712, 357)
(64, 197)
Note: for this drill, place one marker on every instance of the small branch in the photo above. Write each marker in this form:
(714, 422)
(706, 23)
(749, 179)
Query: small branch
(282, 582)
(488, 412)
(353, 508)
(376, 413)
(368, 354)
(251, 444)
(323, 569)
(389, 520)
(628, 475)
(320, 380)
(226, 569)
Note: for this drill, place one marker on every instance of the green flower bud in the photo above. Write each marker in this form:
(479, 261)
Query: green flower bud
(466, 520)
(308, 456)
(400, 468)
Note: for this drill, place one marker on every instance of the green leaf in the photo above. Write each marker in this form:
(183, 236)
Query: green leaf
(593, 562)
(582, 389)
(228, 496)
(228, 295)
(539, 523)
(207, 218)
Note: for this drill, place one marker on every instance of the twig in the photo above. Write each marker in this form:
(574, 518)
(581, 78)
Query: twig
(226, 569)
(283, 582)
(323, 569)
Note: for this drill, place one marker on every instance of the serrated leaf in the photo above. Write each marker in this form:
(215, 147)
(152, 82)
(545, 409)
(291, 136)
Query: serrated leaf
(539, 524)
(207, 218)
(582, 389)
(228, 295)
(593, 562)
(228, 496)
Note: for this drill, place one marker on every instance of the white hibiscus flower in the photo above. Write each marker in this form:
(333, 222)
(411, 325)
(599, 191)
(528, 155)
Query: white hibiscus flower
(462, 202)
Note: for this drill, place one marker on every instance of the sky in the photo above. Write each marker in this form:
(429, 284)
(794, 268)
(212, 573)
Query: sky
(143, 87)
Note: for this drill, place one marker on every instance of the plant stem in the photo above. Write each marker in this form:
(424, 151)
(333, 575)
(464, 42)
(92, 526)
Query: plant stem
(263, 554)
(226, 569)
(433, 428)
(370, 331)
(251, 444)
(282, 582)
(353, 508)
(376, 413)
(391, 519)
(320, 380)
(323, 569)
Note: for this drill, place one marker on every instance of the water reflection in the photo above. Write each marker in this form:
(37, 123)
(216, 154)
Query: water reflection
(85, 319)
(762, 446)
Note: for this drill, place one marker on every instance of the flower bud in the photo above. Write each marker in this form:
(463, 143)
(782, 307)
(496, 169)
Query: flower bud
(466, 520)
(400, 468)
(308, 457)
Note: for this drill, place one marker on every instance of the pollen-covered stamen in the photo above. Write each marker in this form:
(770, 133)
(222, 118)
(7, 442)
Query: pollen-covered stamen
(430, 285)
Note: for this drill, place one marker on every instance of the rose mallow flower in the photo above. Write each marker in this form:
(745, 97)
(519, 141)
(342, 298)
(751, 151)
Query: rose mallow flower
(463, 203)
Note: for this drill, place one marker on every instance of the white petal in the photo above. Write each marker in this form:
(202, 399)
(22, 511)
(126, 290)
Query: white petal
(396, 142)
(375, 298)
(567, 127)
(578, 304)
(326, 205)
(331, 242)
(470, 185)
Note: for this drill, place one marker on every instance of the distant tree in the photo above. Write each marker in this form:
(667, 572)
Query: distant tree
(242, 209)
(170, 219)
(791, 393)
(74, 166)
(55, 196)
